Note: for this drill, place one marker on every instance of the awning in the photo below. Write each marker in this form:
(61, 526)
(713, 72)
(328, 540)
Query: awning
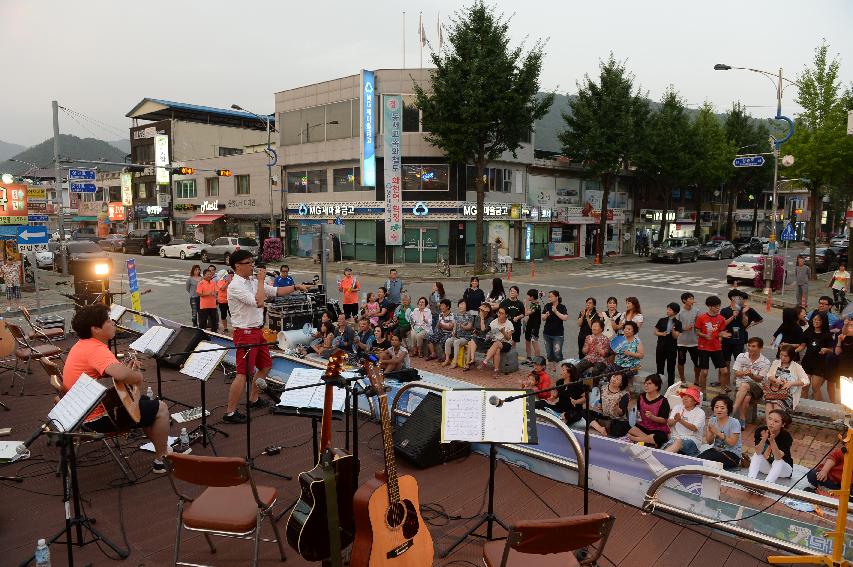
(84, 219)
(203, 218)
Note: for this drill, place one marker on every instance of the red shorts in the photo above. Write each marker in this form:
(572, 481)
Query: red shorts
(257, 357)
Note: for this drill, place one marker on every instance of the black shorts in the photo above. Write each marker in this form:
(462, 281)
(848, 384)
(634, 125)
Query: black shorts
(148, 409)
(351, 310)
(660, 437)
(223, 311)
(531, 332)
(683, 352)
(706, 357)
(731, 350)
(516, 333)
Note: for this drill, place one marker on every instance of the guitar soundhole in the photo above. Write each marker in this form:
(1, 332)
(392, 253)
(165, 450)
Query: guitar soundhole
(395, 515)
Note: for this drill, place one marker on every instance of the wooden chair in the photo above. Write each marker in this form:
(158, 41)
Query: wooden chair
(28, 352)
(39, 333)
(231, 505)
(551, 542)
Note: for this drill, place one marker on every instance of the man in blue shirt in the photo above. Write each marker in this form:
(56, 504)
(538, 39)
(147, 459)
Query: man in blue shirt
(283, 279)
(824, 305)
(394, 285)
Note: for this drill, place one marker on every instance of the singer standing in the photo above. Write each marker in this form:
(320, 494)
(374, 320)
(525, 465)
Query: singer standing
(246, 298)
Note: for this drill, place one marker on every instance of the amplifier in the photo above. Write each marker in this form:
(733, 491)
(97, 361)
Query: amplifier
(418, 439)
(185, 340)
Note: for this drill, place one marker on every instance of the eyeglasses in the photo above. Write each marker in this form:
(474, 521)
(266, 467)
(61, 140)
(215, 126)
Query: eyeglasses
(246, 263)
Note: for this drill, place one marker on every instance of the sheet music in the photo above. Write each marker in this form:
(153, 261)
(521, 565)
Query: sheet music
(462, 415)
(153, 340)
(203, 361)
(310, 397)
(508, 423)
(76, 404)
(116, 311)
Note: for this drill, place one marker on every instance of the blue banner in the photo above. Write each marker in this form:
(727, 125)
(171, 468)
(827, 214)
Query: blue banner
(368, 129)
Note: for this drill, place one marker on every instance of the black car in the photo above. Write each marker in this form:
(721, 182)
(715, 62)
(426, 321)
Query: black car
(145, 241)
(87, 233)
(85, 259)
(826, 259)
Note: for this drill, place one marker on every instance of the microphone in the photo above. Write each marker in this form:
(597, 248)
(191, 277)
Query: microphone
(496, 401)
(23, 448)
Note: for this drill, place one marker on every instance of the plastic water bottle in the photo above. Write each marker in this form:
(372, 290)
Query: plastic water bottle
(42, 554)
(184, 441)
(594, 397)
(150, 393)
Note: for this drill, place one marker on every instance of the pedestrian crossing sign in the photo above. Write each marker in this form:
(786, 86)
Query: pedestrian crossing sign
(788, 233)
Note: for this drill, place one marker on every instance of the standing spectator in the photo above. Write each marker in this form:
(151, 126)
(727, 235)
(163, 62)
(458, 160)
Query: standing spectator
(824, 305)
(350, 287)
(773, 448)
(585, 318)
(463, 332)
(687, 424)
(710, 328)
(610, 415)
(283, 279)
(371, 309)
(790, 333)
(633, 312)
(497, 295)
(688, 342)
(473, 295)
(222, 300)
(443, 329)
(533, 316)
(394, 287)
(206, 289)
(630, 352)
(750, 370)
(501, 330)
(421, 321)
(739, 317)
(723, 432)
(213, 269)
(667, 330)
(435, 298)
(819, 343)
(652, 415)
(784, 380)
(554, 314)
(191, 285)
(840, 283)
(12, 277)
(515, 312)
(844, 351)
(612, 318)
(364, 338)
(402, 316)
(802, 275)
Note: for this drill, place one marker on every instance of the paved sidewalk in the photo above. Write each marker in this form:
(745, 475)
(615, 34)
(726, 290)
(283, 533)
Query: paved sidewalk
(786, 296)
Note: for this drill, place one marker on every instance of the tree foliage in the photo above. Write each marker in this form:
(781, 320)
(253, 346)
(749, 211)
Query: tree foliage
(711, 154)
(482, 101)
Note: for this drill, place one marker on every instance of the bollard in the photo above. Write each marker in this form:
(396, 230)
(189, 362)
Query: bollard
(533, 270)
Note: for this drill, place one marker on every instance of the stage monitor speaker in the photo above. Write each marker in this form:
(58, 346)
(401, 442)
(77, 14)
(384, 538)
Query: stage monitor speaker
(418, 439)
(185, 340)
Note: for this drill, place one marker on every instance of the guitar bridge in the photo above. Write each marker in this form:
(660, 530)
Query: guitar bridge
(400, 549)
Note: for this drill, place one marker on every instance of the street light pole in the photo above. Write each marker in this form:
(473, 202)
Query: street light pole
(273, 159)
(57, 170)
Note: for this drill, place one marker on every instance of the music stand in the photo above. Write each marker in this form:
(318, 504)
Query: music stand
(154, 342)
(200, 365)
(469, 415)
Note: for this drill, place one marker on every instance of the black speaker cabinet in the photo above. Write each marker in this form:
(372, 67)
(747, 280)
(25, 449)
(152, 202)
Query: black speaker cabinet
(185, 340)
(418, 438)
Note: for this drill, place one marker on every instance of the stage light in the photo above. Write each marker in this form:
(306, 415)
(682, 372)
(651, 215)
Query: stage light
(847, 392)
(102, 269)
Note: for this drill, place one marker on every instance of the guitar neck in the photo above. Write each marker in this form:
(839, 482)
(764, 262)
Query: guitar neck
(388, 443)
(326, 428)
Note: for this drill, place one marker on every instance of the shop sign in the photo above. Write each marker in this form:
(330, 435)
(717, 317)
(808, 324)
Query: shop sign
(161, 158)
(146, 133)
(154, 210)
(326, 209)
(115, 211)
(368, 122)
(656, 215)
(127, 189)
(208, 206)
(489, 210)
(13, 203)
(545, 213)
(37, 206)
(184, 207)
(241, 203)
(392, 108)
(420, 209)
(36, 193)
(90, 208)
(528, 241)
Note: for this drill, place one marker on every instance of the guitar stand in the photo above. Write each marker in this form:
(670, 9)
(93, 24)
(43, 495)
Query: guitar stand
(204, 428)
(71, 495)
(489, 518)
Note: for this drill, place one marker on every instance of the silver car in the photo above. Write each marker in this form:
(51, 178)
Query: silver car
(224, 246)
(717, 249)
(677, 250)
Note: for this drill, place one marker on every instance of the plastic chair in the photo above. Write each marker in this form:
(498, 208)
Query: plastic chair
(231, 505)
(40, 333)
(551, 542)
(28, 352)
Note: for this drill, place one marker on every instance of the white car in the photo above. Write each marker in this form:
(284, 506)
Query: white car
(743, 268)
(182, 249)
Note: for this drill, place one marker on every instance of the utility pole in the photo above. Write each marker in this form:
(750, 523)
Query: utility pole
(57, 170)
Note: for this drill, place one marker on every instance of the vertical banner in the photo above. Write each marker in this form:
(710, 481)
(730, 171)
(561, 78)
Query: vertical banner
(127, 189)
(161, 158)
(392, 118)
(368, 130)
(135, 297)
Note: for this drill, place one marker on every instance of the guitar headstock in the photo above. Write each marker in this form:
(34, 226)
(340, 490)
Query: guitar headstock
(335, 366)
(374, 374)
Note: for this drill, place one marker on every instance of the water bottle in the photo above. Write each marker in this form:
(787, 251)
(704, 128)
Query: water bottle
(594, 396)
(184, 441)
(42, 556)
(149, 393)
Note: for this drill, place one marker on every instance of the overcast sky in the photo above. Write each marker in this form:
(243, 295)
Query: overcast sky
(101, 57)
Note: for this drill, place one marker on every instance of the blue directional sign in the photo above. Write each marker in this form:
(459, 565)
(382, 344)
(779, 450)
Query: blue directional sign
(32, 235)
(81, 174)
(749, 161)
(37, 218)
(82, 187)
(788, 233)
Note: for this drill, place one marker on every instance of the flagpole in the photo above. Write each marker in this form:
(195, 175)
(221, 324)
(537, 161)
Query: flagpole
(421, 34)
(404, 39)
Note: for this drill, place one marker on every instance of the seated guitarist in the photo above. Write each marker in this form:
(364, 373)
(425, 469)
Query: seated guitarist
(91, 356)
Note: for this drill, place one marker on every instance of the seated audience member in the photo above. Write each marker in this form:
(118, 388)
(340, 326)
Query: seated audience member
(687, 424)
(325, 347)
(421, 320)
(750, 370)
(90, 355)
(403, 318)
(538, 379)
(570, 400)
(596, 347)
(380, 340)
(481, 327)
(652, 426)
(501, 329)
(723, 432)
(463, 336)
(829, 475)
(610, 414)
(773, 448)
(396, 357)
(365, 338)
(630, 352)
(317, 335)
(443, 329)
(784, 381)
(345, 335)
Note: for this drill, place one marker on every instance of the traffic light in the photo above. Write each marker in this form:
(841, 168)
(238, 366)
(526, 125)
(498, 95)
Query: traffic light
(224, 172)
(183, 171)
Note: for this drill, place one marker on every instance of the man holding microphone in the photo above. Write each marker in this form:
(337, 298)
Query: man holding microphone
(246, 296)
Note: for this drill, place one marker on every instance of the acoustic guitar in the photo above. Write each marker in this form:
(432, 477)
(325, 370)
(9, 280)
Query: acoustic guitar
(308, 525)
(7, 341)
(122, 402)
(390, 531)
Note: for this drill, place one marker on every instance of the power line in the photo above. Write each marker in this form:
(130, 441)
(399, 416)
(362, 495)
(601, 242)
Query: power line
(114, 130)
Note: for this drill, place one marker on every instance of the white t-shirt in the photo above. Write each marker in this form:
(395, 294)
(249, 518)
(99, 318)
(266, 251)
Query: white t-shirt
(840, 279)
(495, 327)
(694, 417)
(743, 363)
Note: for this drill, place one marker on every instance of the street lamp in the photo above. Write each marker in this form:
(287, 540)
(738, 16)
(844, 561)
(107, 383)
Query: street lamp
(273, 159)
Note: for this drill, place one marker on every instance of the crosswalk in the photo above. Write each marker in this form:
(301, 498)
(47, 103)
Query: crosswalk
(166, 278)
(647, 277)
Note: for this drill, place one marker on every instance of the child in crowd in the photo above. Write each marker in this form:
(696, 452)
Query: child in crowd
(687, 424)
(538, 379)
(371, 309)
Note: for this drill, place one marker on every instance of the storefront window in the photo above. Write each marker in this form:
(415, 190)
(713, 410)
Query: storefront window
(313, 127)
(297, 181)
(317, 181)
(564, 240)
(346, 179)
(425, 177)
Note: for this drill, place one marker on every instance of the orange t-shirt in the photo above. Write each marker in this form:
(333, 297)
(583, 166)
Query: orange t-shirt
(350, 297)
(90, 357)
(222, 291)
(203, 288)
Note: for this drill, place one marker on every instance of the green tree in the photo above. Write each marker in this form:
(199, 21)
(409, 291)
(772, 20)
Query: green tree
(711, 155)
(483, 98)
(603, 129)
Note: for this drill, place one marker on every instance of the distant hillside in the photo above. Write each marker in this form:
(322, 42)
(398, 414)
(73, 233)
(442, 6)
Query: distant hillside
(70, 147)
(8, 149)
(123, 145)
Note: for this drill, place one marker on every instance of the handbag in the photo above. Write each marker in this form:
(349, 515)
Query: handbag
(773, 392)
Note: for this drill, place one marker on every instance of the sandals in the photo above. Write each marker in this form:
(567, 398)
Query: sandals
(466, 368)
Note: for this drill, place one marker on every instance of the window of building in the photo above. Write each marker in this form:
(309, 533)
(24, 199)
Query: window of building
(142, 190)
(318, 181)
(346, 179)
(341, 115)
(291, 126)
(310, 125)
(297, 182)
(496, 179)
(425, 177)
(224, 152)
(212, 184)
(411, 115)
(185, 189)
(143, 154)
(242, 184)
(313, 127)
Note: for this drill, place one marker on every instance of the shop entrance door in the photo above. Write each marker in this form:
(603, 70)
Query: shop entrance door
(421, 245)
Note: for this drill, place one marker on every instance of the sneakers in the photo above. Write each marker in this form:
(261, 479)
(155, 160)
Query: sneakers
(158, 467)
(235, 417)
(260, 403)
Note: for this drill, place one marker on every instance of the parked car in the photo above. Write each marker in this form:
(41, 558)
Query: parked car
(44, 258)
(182, 249)
(743, 268)
(83, 254)
(677, 250)
(113, 242)
(145, 241)
(717, 249)
(840, 240)
(826, 259)
(741, 244)
(85, 233)
(224, 246)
